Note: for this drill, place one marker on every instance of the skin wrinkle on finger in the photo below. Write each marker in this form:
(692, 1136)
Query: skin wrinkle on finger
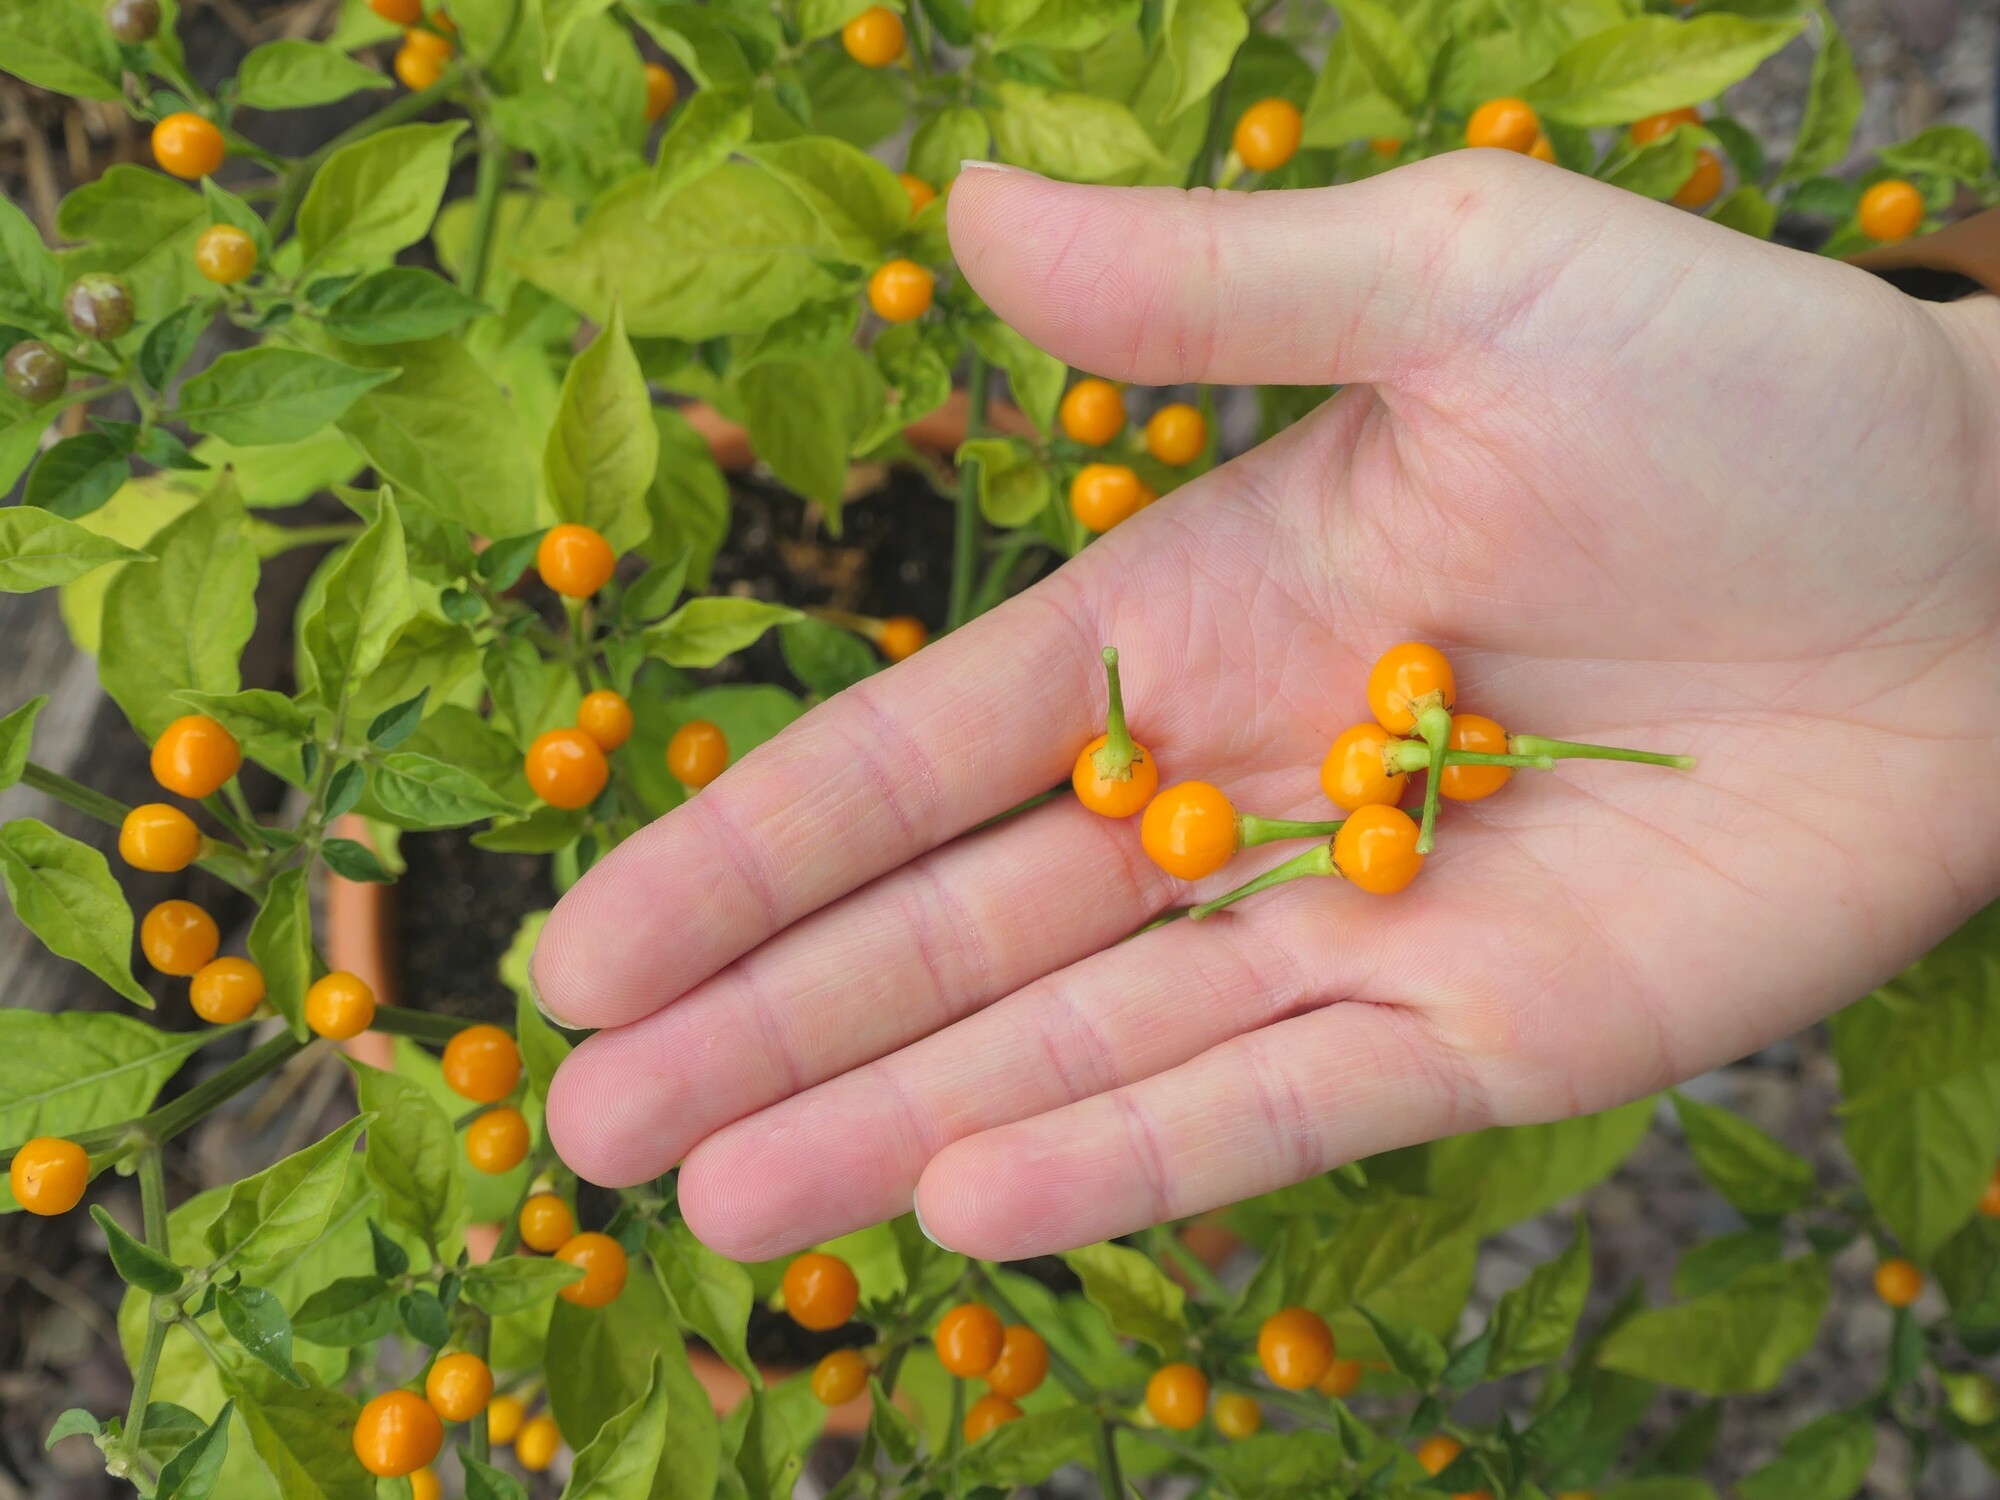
(836, 990)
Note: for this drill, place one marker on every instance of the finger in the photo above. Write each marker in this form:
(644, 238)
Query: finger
(850, 1152)
(894, 766)
(895, 961)
(1363, 282)
(1258, 1112)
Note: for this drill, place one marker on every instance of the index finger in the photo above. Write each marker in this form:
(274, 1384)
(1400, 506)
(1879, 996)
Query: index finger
(893, 767)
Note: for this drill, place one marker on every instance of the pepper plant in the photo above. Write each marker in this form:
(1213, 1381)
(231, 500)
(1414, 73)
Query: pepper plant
(475, 319)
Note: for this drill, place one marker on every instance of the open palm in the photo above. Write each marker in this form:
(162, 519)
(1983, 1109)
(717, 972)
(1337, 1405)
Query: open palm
(1645, 480)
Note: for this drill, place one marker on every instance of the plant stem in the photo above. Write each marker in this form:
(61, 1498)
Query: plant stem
(1114, 761)
(493, 158)
(954, 1433)
(1534, 744)
(94, 804)
(418, 1025)
(1169, 1244)
(1415, 755)
(1020, 807)
(171, 1118)
(1109, 1477)
(153, 1203)
(1434, 724)
(965, 549)
(993, 587)
(1317, 860)
(1252, 831)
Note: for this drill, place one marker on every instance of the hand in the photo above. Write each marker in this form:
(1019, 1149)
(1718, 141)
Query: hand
(1646, 480)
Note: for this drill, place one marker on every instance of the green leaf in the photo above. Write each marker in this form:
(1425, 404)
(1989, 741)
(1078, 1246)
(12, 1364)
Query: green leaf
(402, 305)
(375, 197)
(192, 1472)
(914, 361)
(731, 252)
(298, 75)
(620, 1461)
(1710, 1267)
(1947, 150)
(515, 1283)
(1968, 1272)
(277, 474)
(708, 1294)
(1662, 1487)
(1741, 1338)
(1014, 484)
(1833, 108)
(1134, 1294)
(16, 731)
(77, 475)
(825, 658)
(1060, 25)
(60, 46)
(1823, 1460)
(1037, 378)
(281, 945)
(304, 1437)
(1742, 1162)
(1927, 1153)
(412, 1155)
(351, 1311)
(804, 417)
(704, 631)
(608, 1357)
(603, 449)
(182, 623)
(353, 861)
(257, 1321)
(1657, 169)
(416, 791)
(1385, 51)
(860, 205)
(273, 395)
(484, 1482)
(688, 499)
(72, 1423)
(288, 1203)
(269, 726)
(64, 893)
(943, 141)
(137, 1263)
(543, 1048)
(39, 550)
(1072, 136)
(365, 603)
(704, 133)
(1511, 1173)
(1417, 1354)
(1651, 64)
(1938, 1018)
(1027, 1452)
(443, 430)
(30, 278)
(141, 226)
(1748, 210)
(1535, 1323)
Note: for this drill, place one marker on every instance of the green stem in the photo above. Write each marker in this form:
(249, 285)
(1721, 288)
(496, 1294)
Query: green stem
(396, 112)
(1317, 1410)
(1167, 1244)
(1415, 755)
(993, 587)
(418, 1025)
(1252, 831)
(493, 159)
(1534, 744)
(1211, 136)
(1434, 724)
(954, 1434)
(251, 831)
(1167, 1443)
(1317, 860)
(1109, 1477)
(153, 1204)
(94, 804)
(1114, 761)
(171, 1118)
(1067, 1375)
(965, 548)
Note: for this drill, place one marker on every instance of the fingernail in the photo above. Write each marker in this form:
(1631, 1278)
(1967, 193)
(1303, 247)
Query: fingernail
(924, 1229)
(981, 164)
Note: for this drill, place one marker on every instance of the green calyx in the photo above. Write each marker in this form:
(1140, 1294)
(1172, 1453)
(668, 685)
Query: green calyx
(1434, 725)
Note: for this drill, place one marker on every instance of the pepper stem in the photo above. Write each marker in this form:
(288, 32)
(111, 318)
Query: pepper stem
(1534, 744)
(1114, 761)
(1317, 860)
(1415, 755)
(1252, 831)
(1434, 724)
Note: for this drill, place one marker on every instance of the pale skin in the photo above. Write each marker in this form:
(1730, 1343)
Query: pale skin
(1645, 480)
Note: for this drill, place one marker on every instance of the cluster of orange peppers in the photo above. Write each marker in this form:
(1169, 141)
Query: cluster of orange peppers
(1191, 829)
